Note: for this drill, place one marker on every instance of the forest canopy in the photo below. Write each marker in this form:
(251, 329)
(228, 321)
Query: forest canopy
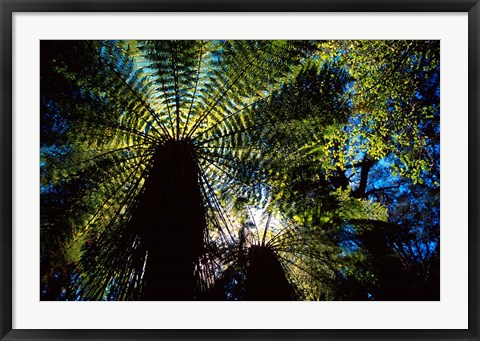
(240, 170)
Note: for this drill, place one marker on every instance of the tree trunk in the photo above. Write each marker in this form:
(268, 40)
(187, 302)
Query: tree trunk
(171, 216)
(266, 279)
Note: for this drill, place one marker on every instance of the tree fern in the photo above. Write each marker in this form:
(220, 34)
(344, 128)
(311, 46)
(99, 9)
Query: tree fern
(131, 110)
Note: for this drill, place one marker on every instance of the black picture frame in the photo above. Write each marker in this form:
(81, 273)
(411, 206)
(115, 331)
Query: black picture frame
(8, 7)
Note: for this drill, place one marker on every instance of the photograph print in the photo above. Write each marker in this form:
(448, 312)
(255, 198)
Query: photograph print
(229, 170)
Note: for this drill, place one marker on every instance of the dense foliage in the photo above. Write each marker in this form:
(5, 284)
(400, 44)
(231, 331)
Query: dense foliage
(240, 170)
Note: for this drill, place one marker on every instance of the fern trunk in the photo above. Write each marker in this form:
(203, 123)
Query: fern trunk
(266, 280)
(171, 217)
